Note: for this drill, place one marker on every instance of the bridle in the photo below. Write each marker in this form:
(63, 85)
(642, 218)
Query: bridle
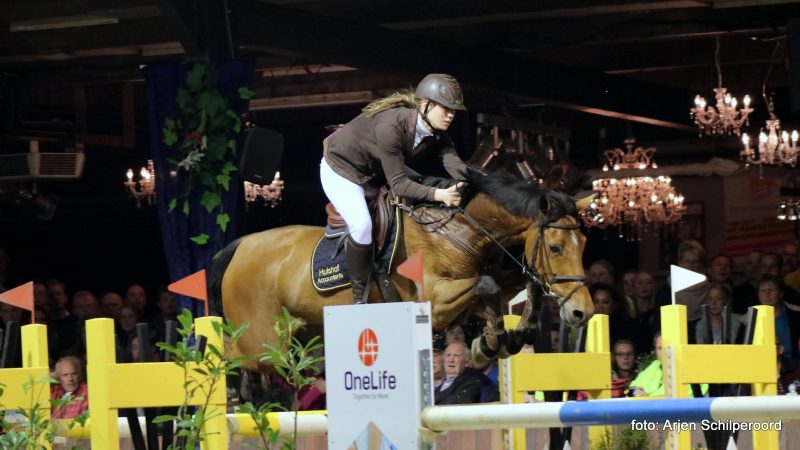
(534, 279)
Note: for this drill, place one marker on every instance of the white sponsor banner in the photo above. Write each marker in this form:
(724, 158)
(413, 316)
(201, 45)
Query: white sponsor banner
(378, 369)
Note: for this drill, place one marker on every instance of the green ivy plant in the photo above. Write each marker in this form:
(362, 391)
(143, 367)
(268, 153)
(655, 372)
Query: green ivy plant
(35, 425)
(204, 134)
(624, 438)
(212, 365)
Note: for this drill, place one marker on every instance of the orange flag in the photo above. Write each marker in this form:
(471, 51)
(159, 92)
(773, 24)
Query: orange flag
(21, 297)
(412, 269)
(192, 286)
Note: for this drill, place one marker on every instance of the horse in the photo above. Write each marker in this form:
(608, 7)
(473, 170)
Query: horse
(260, 273)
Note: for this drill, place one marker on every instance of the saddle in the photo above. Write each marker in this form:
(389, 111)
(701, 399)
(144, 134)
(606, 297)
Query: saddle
(379, 209)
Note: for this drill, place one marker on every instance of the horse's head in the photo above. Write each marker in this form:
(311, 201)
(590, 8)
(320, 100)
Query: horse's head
(553, 256)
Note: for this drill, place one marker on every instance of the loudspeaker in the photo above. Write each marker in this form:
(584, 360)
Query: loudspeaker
(262, 154)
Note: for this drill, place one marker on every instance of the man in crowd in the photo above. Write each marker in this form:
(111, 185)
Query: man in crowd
(458, 387)
(70, 381)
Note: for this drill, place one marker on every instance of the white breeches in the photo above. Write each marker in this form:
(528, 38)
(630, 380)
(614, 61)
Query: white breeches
(348, 198)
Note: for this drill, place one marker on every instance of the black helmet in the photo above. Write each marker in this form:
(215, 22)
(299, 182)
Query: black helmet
(443, 89)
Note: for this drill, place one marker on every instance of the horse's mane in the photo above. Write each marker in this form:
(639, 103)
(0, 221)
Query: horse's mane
(517, 196)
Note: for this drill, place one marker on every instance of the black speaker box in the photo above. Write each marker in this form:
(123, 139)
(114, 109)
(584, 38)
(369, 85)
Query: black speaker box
(262, 154)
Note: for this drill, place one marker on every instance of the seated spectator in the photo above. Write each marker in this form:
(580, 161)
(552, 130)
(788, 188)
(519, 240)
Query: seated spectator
(167, 310)
(607, 301)
(744, 294)
(787, 316)
(40, 299)
(438, 366)
(110, 305)
(454, 333)
(690, 256)
(623, 367)
(125, 330)
(135, 347)
(600, 271)
(136, 298)
(650, 380)
(70, 381)
(65, 324)
(458, 387)
(719, 296)
(721, 270)
(84, 306)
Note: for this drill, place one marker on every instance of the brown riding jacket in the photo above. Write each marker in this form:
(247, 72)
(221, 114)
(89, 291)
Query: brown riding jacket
(364, 147)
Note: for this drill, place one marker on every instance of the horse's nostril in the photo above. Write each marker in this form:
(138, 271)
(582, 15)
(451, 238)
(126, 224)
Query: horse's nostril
(578, 314)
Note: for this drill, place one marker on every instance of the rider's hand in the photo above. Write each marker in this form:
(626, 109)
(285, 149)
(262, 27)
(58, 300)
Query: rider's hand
(449, 196)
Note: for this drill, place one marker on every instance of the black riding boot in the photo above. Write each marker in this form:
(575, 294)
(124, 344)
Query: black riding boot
(359, 262)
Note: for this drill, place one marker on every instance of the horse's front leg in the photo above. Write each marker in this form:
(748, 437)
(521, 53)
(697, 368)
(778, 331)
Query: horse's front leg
(449, 299)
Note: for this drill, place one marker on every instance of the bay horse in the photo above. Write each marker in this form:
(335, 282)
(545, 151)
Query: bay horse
(258, 274)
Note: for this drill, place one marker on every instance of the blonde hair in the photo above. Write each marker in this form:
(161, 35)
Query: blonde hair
(405, 99)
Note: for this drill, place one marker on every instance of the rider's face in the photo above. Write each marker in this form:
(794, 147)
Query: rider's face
(440, 116)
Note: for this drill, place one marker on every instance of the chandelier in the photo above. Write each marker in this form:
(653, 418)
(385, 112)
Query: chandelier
(774, 145)
(789, 210)
(144, 188)
(724, 119)
(271, 193)
(633, 204)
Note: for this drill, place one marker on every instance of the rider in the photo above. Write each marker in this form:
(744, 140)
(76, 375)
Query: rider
(389, 132)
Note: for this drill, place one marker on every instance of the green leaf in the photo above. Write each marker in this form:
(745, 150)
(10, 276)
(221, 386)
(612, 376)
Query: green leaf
(210, 200)
(200, 239)
(169, 123)
(194, 79)
(170, 137)
(222, 221)
(186, 207)
(183, 98)
(211, 101)
(172, 204)
(246, 93)
(224, 181)
(232, 144)
(228, 167)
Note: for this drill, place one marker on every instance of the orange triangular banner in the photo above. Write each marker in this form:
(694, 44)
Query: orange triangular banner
(412, 268)
(21, 297)
(192, 286)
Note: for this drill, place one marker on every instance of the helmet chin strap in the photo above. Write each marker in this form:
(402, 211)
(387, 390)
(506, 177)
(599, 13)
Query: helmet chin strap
(424, 114)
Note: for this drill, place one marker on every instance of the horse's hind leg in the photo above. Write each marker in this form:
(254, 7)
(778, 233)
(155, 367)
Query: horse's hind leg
(494, 335)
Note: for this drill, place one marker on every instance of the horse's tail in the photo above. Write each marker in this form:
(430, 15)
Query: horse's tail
(218, 268)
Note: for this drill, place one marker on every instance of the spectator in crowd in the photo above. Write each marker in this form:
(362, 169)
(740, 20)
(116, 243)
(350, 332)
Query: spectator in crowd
(136, 298)
(788, 371)
(40, 298)
(135, 348)
(690, 256)
(721, 271)
(647, 315)
(601, 271)
(167, 310)
(790, 257)
(607, 301)
(438, 366)
(110, 305)
(458, 387)
(69, 374)
(719, 296)
(787, 317)
(623, 367)
(454, 333)
(64, 323)
(747, 290)
(84, 306)
(650, 381)
(126, 331)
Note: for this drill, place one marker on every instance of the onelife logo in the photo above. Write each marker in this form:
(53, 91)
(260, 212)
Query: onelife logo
(368, 347)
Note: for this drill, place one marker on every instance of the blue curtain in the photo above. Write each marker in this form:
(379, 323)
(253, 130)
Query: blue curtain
(184, 257)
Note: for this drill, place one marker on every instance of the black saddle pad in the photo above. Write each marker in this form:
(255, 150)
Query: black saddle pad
(328, 262)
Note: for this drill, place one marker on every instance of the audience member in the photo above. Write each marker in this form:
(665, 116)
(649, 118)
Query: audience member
(458, 387)
(69, 374)
(600, 271)
(789, 255)
(628, 288)
(64, 323)
(136, 298)
(787, 317)
(721, 271)
(40, 298)
(84, 306)
(438, 366)
(126, 331)
(607, 301)
(690, 256)
(746, 291)
(647, 315)
(623, 367)
(718, 297)
(454, 333)
(167, 310)
(110, 305)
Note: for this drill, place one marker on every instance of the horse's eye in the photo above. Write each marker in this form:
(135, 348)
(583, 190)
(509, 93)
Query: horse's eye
(555, 249)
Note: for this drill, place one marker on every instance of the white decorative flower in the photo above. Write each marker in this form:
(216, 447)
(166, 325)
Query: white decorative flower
(191, 160)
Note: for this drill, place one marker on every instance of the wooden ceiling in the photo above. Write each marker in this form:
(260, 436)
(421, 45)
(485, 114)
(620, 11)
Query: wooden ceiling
(581, 64)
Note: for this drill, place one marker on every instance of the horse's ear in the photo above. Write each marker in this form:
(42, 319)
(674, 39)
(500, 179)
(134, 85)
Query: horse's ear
(584, 203)
(544, 204)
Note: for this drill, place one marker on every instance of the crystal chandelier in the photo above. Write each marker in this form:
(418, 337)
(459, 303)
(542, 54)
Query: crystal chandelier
(725, 119)
(789, 210)
(633, 204)
(774, 145)
(144, 188)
